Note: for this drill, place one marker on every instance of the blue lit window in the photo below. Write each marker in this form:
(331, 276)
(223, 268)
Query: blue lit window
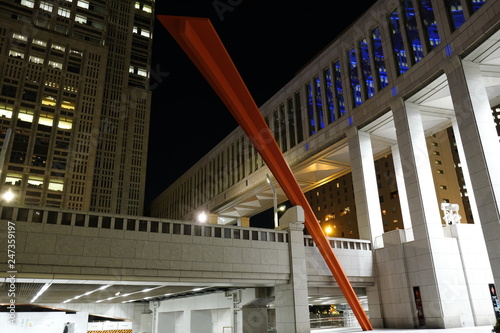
(339, 92)
(282, 119)
(456, 12)
(476, 4)
(298, 117)
(429, 23)
(366, 68)
(291, 122)
(329, 95)
(353, 70)
(397, 42)
(276, 126)
(310, 109)
(319, 103)
(412, 31)
(378, 56)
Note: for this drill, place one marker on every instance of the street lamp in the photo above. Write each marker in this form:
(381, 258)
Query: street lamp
(275, 201)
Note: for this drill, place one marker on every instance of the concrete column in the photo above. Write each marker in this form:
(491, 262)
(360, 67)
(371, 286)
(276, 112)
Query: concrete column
(432, 261)
(364, 181)
(481, 149)
(292, 308)
(417, 173)
(403, 199)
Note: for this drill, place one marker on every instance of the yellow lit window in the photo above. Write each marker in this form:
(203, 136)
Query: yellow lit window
(64, 124)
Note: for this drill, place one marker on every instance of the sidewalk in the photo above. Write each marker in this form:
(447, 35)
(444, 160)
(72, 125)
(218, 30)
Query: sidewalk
(478, 329)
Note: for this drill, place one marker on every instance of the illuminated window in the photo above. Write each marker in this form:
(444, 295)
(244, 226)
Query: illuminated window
(366, 69)
(68, 105)
(327, 76)
(397, 42)
(46, 6)
(378, 56)
(36, 60)
(13, 179)
(5, 113)
(28, 3)
(49, 100)
(137, 5)
(145, 33)
(83, 4)
(25, 117)
(81, 19)
(16, 54)
(353, 75)
(64, 124)
(45, 121)
(58, 47)
(319, 102)
(35, 182)
(20, 37)
(147, 9)
(55, 64)
(56, 186)
(339, 92)
(63, 12)
(456, 12)
(142, 72)
(39, 42)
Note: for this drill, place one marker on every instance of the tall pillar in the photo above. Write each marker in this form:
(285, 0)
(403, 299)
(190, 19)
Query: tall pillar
(364, 181)
(481, 149)
(417, 173)
(434, 275)
(291, 300)
(403, 199)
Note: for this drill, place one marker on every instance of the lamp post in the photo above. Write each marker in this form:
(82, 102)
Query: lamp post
(275, 201)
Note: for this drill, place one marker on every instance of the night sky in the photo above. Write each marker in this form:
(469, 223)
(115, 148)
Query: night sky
(268, 40)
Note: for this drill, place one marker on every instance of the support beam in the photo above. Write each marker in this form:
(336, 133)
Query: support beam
(200, 41)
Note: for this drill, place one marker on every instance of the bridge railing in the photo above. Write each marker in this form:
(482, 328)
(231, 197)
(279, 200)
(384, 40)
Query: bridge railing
(46, 215)
(342, 243)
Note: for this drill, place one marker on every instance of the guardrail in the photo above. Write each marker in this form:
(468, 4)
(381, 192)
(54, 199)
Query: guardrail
(141, 224)
(342, 243)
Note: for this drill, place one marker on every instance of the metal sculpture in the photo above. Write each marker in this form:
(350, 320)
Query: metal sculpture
(199, 40)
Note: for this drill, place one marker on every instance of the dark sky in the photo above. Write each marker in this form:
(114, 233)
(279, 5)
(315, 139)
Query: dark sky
(268, 40)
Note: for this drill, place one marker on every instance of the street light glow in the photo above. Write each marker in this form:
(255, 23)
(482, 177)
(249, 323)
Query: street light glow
(202, 217)
(8, 195)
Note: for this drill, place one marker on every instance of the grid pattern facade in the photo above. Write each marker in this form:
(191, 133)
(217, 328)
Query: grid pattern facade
(68, 142)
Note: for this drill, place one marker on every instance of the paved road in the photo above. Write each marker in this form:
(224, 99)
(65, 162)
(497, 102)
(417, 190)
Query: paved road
(478, 329)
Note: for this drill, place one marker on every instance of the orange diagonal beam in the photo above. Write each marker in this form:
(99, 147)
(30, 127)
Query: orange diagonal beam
(200, 41)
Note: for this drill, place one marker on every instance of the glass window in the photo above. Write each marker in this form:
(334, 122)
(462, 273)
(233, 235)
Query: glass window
(46, 6)
(397, 42)
(476, 4)
(378, 57)
(339, 92)
(412, 31)
(63, 12)
(298, 117)
(282, 120)
(354, 77)
(456, 13)
(366, 68)
(310, 109)
(81, 19)
(327, 76)
(429, 23)
(83, 4)
(28, 3)
(291, 122)
(319, 103)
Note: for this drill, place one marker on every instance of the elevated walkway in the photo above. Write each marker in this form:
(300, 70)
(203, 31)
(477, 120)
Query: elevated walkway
(70, 248)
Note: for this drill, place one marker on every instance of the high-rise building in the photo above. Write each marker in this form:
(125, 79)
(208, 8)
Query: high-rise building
(75, 102)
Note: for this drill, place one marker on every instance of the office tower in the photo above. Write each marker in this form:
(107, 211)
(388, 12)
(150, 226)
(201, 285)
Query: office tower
(75, 102)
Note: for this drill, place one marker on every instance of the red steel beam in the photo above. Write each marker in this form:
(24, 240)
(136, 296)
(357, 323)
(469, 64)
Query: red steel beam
(199, 40)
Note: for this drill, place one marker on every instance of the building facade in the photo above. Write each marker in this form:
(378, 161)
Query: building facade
(75, 103)
(416, 80)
